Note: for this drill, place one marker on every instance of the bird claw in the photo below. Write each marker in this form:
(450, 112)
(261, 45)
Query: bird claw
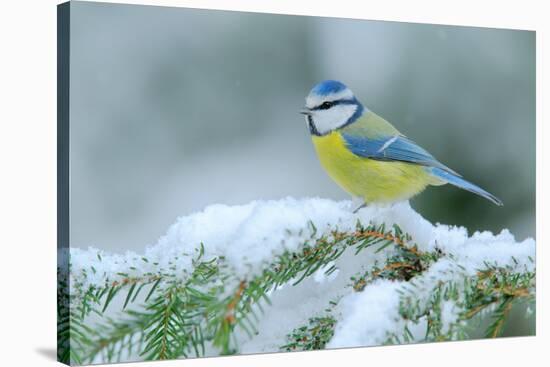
(359, 208)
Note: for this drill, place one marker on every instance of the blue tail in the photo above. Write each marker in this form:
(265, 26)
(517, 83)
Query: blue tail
(463, 184)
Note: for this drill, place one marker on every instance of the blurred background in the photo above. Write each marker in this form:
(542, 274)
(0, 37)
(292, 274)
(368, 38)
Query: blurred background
(174, 109)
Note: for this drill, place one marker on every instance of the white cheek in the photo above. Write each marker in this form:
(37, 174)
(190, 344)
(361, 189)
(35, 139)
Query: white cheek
(333, 118)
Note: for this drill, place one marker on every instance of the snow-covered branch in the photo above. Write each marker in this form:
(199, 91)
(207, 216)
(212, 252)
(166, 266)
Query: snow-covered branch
(292, 275)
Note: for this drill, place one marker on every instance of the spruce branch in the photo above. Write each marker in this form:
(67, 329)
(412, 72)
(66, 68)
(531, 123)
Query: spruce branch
(492, 288)
(165, 313)
(313, 336)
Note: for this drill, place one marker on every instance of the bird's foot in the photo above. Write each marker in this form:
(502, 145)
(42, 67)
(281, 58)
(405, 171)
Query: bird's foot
(359, 208)
(359, 204)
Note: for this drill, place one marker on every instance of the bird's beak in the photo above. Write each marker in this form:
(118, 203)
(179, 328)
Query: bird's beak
(305, 111)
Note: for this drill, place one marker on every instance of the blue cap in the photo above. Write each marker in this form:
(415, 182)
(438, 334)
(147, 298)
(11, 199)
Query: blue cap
(327, 87)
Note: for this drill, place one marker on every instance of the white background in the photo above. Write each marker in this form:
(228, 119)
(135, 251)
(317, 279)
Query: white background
(28, 181)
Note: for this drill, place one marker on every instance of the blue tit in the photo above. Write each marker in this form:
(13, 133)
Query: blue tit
(366, 155)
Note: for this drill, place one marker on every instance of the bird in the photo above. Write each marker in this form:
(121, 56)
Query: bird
(367, 156)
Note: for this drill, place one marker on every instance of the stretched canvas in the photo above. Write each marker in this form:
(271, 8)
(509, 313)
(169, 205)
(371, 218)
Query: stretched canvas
(233, 183)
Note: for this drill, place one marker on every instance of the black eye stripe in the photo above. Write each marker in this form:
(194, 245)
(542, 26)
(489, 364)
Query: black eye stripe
(325, 105)
(328, 104)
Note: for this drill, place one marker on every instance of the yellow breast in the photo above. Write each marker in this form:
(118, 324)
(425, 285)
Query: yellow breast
(372, 180)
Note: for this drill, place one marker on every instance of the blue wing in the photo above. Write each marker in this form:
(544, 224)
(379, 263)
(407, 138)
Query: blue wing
(399, 148)
(392, 148)
(463, 184)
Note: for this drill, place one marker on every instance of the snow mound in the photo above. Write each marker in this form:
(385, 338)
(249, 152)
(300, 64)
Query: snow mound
(252, 235)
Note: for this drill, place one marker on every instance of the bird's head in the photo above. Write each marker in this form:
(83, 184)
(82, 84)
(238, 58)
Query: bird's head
(330, 105)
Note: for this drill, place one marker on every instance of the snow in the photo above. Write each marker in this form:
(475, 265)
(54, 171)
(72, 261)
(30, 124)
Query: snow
(252, 235)
(370, 314)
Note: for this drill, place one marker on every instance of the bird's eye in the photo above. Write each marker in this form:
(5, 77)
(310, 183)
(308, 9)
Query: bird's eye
(326, 105)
